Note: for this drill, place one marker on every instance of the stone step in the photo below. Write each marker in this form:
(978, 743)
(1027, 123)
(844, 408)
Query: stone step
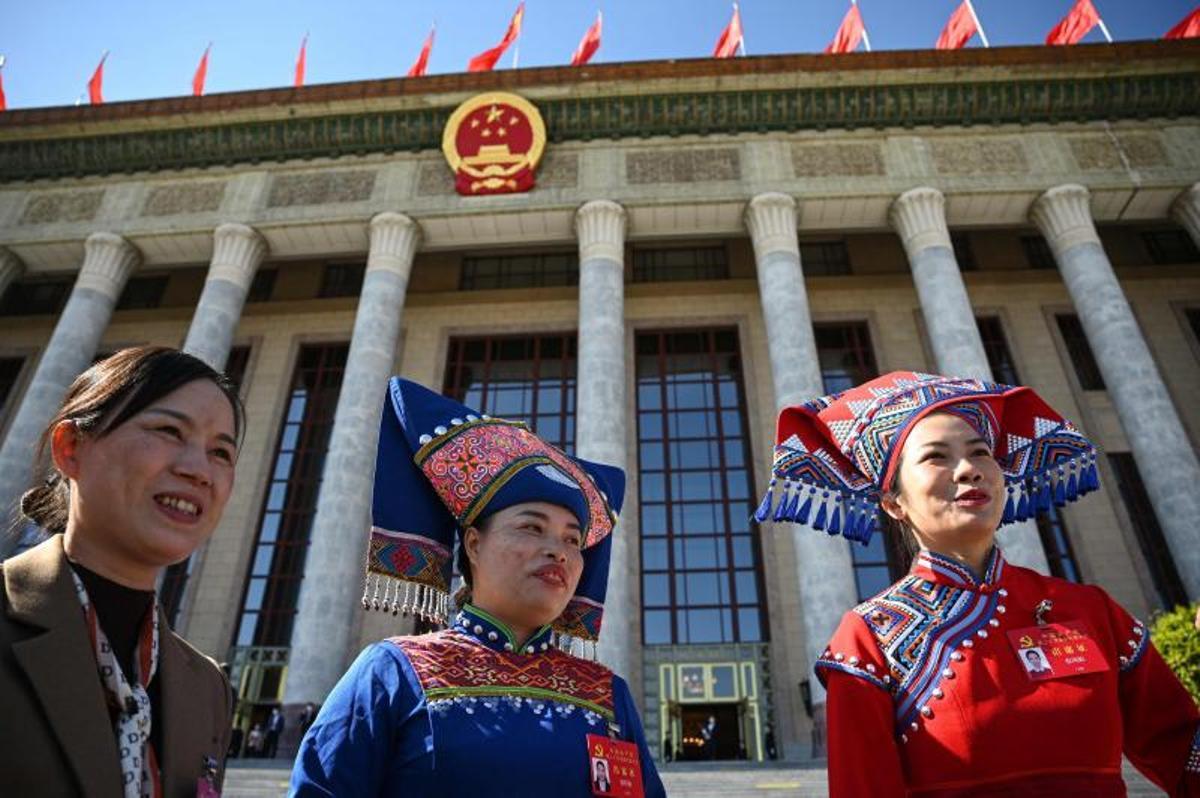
(270, 780)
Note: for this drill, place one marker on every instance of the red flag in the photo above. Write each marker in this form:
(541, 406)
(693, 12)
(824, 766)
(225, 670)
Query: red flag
(1075, 25)
(1188, 27)
(849, 33)
(959, 29)
(96, 84)
(588, 45)
(300, 61)
(3, 102)
(201, 74)
(731, 37)
(418, 67)
(486, 61)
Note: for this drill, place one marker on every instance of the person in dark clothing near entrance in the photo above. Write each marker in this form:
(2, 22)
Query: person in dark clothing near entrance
(274, 730)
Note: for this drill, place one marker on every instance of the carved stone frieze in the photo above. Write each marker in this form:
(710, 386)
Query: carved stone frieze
(848, 159)
(62, 206)
(682, 166)
(173, 199)
(982, 156)
(321, 188)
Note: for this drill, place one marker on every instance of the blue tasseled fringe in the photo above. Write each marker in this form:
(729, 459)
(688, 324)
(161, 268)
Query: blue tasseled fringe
(854, 518)
(805, 509)
(764, 509)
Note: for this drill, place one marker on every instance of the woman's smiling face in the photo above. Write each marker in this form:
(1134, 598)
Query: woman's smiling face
(152, 490)
(951, 489)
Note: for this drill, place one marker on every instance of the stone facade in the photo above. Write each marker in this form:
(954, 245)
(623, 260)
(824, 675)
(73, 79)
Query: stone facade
(173, 199)
(784, 142)
(320, 188)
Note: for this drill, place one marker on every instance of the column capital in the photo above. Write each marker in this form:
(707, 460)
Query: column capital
(108, 261)
(919, 217)
(1064, 216)
(394, 241)
(600, 228)
(771, 220)
(1186, 210)
(238, 249)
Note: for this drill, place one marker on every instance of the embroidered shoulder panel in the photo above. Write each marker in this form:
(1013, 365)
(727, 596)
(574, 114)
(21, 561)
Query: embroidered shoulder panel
(918, 625)
(451, 666)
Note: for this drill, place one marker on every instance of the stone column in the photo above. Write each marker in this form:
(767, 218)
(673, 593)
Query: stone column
(824, 568)
(1160, 444)
(10, 269)
(237, 252)
(107, 263)
(333, 571)
(600, 410)
(1186, 211)
(919, 218)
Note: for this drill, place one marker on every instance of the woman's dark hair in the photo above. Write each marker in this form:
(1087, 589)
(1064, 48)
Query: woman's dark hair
(461, 561)
(106, 396)
(898, 528)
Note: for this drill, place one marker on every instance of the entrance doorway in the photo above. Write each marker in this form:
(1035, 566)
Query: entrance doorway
(727, 737)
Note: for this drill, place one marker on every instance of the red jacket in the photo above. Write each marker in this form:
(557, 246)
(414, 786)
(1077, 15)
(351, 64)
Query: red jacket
(927, 695)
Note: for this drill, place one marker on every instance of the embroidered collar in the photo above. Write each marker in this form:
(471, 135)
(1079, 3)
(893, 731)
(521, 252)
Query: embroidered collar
(490, 631)
(943, 570)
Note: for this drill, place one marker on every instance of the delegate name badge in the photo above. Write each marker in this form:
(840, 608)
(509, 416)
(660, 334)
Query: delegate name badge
(1057, 650)
(613, 768)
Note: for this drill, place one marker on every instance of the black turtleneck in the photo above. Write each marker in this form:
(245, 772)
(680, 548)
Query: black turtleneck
(121, 611)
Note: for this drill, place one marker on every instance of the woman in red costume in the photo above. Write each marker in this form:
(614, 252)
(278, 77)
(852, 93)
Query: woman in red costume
(972, 676)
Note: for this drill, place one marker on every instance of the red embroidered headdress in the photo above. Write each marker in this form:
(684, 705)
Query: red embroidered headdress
(834, 456)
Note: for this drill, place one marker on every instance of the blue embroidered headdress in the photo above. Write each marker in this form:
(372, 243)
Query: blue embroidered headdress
(440, 467)
(836, 455)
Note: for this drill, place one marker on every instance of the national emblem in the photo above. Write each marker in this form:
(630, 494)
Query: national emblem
(493, 143)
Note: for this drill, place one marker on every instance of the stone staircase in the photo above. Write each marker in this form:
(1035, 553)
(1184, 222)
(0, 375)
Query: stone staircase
(258, 779)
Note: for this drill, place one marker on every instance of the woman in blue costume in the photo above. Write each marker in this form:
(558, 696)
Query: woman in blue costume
(493, 705)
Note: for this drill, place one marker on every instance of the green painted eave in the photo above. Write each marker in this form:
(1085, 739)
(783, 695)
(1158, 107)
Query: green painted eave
(145, 138)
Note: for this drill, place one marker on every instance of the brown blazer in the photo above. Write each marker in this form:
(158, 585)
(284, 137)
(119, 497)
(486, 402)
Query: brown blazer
(55, 735)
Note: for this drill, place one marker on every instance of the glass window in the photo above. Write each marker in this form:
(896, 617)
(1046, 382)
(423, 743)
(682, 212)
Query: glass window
(273, 581)
(699, 558)
(262, 286)
(1168, 247)
(1192, 315)
(342, 279)
(10, 372)
(519, 271)
(1052, 530)
(824, 258)
(1080, 352)
(996, 347)
(528, 378)
(35, 298)
(1037, 252)
(690, 263)
(142, 293)
(1147, 530)
(963, 253)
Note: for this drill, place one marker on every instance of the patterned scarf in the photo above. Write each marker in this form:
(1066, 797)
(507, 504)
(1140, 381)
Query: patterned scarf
(130, 702)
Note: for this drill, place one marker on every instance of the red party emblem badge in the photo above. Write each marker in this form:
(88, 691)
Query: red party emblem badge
(493, 143)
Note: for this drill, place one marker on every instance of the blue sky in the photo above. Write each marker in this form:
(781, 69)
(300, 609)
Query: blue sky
(52, 46)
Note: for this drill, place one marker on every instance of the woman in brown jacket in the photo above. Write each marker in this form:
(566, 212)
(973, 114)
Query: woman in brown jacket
(100, 697)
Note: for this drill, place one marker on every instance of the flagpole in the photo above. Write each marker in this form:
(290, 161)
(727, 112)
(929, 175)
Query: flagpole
(978, 24)
(866, 38)
(1104, 29)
